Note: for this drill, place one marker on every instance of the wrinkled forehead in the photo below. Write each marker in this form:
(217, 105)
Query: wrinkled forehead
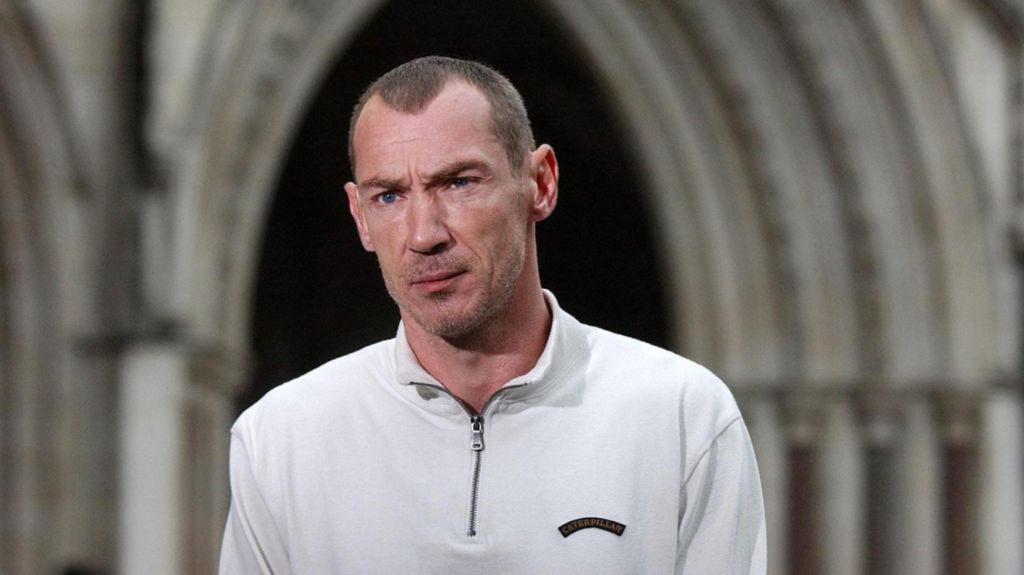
(456, 121)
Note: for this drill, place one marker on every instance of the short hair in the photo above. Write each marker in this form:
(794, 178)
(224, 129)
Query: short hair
(411, 87)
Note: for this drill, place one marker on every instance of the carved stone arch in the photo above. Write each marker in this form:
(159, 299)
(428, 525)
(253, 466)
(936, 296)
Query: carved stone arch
(267, 67)
(950, 198)
(745, 200)
(36, 171)
(881, 280)
(723, 267)
(813, 185)
(790, 255)
(927, 212)
(859, 216)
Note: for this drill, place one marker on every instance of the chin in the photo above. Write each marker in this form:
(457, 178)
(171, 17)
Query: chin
(450, 321)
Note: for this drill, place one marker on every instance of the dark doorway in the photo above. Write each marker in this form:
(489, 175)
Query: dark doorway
(319, 295)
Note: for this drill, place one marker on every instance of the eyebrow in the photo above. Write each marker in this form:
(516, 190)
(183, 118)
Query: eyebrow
(381, 184)
(446, 172)
(452, 170)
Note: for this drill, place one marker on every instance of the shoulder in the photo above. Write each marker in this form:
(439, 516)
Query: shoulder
(319, 392)
(620, 355)
(652, 375)
(665, 391)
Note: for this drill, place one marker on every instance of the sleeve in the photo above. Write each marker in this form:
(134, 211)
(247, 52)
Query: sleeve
(722, 530)
(252, 542)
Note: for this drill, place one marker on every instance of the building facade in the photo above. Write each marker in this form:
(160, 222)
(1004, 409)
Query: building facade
(833, 191)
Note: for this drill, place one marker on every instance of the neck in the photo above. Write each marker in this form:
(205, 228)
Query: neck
(475, 366)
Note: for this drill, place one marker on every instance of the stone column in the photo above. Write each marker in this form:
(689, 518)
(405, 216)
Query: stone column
(804, 427)
(1002, 481)
(154, 385)
(958, 419)
(176, 409)
(209, 412)
(882, 429)
(842, 478)
(920, 501)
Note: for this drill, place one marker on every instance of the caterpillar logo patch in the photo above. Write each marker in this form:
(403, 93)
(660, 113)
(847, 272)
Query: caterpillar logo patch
(575, 525)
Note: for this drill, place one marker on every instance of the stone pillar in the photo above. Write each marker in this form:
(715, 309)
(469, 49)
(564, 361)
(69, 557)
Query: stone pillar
(882, 429)
(209, 412)
(920, 500)
(841, 490)
(804, 426)
(154, 385)
(176, 406)
(958, 418)
(1002, 482)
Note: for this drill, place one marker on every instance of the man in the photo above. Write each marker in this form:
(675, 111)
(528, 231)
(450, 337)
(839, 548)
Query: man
(494, 433)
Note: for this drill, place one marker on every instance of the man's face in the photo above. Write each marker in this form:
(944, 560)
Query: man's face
(437, 201)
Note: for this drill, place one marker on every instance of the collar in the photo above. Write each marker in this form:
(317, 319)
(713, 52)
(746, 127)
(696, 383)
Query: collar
(565, 345)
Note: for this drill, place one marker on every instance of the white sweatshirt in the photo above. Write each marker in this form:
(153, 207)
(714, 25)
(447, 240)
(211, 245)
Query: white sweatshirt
(609, 456)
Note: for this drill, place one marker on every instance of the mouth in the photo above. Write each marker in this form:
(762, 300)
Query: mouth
(436, 281)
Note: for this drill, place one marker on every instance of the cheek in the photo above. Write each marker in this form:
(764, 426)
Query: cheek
(493, 231)
(506, 240)
(384, 234)
(505, 214)
(384, 245)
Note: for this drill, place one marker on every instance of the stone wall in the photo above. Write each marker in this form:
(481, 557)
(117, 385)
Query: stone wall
(837, 191)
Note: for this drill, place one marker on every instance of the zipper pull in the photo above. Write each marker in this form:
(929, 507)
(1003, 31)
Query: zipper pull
(477, 424)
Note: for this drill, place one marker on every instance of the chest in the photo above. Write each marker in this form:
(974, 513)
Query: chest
(547, 491)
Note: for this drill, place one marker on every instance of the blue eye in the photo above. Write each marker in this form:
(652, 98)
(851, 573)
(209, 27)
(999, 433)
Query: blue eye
(387, 198)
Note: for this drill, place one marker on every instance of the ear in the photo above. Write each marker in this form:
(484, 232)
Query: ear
(544, 174)
(352, 191)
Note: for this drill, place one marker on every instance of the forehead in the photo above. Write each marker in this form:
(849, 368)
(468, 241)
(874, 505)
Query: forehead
(456, 122)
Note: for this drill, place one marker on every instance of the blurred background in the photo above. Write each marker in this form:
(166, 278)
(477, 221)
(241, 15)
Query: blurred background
(821, 200)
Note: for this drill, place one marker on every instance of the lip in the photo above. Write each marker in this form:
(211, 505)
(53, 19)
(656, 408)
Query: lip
(436, 281)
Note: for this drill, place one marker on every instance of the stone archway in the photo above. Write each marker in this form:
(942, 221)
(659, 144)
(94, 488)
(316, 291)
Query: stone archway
(320, 295)
(40, 509)
(816, 193)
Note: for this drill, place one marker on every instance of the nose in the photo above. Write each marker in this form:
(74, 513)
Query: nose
(428, 232)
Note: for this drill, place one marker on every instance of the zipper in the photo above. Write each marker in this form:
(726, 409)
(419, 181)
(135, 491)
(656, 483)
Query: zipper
(476, 423)
(476, 445)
